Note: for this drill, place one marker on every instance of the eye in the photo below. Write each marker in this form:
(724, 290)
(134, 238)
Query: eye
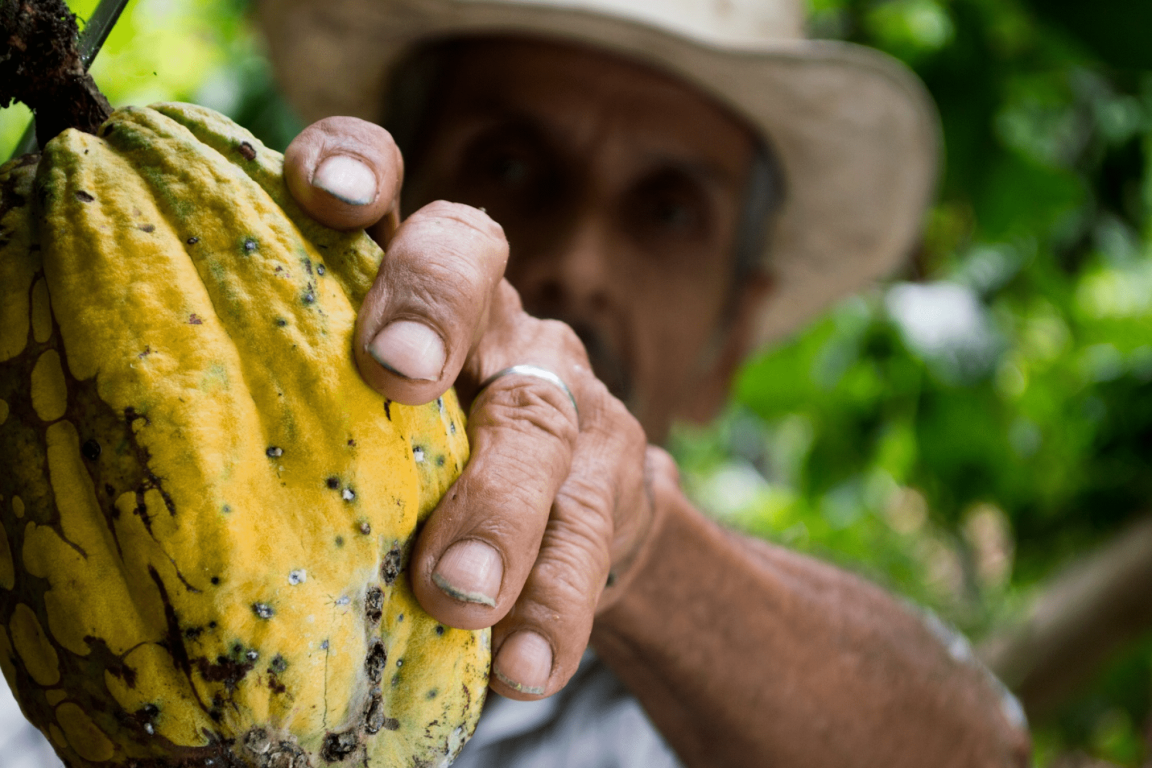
(508, 170)
(669, 203)
(673, 213)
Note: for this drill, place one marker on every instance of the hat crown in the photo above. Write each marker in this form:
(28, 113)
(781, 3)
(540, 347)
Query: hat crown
(733, 21)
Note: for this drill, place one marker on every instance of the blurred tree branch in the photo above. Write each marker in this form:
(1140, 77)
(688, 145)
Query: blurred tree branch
(1088, 611)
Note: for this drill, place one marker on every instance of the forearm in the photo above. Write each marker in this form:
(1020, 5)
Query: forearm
(748, 654)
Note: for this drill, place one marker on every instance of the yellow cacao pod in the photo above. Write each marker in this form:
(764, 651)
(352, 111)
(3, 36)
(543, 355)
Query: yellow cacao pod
(204, 512)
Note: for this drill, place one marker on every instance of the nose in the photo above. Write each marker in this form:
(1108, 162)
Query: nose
(570, 275)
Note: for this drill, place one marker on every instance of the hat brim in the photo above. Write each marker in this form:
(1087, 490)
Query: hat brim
(854, 131)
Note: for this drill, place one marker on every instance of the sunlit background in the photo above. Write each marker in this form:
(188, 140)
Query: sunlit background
(965, 433)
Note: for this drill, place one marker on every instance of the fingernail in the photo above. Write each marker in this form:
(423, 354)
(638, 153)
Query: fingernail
(347, 179)
(524, 663)
(409, 349)
(470, 571)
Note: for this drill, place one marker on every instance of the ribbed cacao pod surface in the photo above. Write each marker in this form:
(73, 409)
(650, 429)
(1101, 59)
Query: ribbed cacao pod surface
(205, 514)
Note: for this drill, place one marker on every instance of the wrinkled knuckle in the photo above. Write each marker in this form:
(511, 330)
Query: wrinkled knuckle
(586, 509)
(528, 404)
(473, 218)
(564, 338)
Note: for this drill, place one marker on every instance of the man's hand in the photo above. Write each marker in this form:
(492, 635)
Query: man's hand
(552, 500)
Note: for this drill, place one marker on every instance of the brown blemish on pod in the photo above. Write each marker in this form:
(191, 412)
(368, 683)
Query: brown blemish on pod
(34, 647)
(390, 568)
(337, 746)
(7, 565)
(41, 312)
(374, 605)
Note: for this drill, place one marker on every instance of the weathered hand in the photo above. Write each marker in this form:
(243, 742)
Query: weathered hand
(552, 501)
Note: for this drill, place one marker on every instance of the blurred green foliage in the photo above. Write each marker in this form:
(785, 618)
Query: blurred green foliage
(963, 432)
(959, 434)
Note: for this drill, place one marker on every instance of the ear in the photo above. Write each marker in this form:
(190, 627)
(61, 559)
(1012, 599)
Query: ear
(734, 340)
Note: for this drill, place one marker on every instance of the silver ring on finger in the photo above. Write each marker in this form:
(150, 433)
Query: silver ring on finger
(535, 372)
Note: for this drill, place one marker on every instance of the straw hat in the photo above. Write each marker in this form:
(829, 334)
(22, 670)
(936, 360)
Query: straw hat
(854, 130)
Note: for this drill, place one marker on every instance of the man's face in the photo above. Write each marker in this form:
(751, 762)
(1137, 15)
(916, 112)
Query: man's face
(620, 191)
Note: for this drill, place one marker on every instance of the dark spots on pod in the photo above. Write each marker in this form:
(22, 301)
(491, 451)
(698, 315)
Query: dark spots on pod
(418, 453)
(388, 409)
(83, 196)
(194, 319)
(106, 129)
(376, 661)
(348, 494)
(281, 322)
(278, 664)
(338, 746)
(390, 568)
(226, 509)
(247, 151)
(333, 483)
(216, 715)
(215, 580)
(109, 490)
(309, 296)
(391, 724)
(249, 245)
(399, 618)
(433, 693)
(263, 611)
(440, 629)
(192, 240)
(274, 452)
(321, 270)
(440, 460)
(374, 604)
(339, 541)
(211, 625)
(146, 717)
(91, 449)
(192, 633)
(374, 714)
(252, 655)
(149, 228)
(364, 527)
(147, 351)
(451, 427)
(229, 670)
(307, 262)
(351, 443)
(395, 680)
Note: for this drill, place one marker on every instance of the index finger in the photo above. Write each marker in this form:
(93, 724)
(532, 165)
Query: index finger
(346, 173)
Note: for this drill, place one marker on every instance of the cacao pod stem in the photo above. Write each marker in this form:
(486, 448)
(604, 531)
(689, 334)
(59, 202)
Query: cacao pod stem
(40, 65)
